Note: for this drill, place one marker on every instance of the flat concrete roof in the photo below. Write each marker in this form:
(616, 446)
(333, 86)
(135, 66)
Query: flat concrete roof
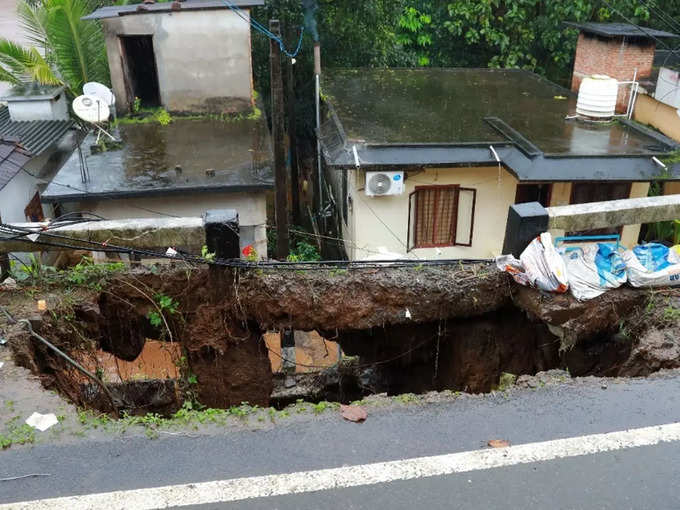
(451, 117)
(32, 92)
(188, 155)
(611, 30)
(114, 11)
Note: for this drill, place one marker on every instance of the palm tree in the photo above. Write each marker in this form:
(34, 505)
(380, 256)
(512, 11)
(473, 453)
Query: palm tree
(67, 50)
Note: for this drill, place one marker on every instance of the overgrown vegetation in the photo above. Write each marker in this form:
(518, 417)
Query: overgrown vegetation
(301, 249)
(86, 273)
(65, 48)
(165, 305)
(16, 433)
(662, 231)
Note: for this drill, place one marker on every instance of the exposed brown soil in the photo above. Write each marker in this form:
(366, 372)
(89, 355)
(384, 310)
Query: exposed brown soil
(413, 330)
(229, 359)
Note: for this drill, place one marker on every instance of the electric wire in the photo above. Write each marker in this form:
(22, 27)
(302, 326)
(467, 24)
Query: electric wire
(261, 28)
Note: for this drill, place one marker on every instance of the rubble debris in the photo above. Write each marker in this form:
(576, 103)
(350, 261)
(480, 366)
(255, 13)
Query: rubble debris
(353, 413)
(9, 284)
(498, 443)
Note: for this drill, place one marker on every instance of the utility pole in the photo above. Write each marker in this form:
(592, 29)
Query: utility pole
(292, 139)
(280, 177)
(4, 264)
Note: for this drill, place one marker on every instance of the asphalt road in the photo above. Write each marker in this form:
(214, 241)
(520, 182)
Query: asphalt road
(641, 477)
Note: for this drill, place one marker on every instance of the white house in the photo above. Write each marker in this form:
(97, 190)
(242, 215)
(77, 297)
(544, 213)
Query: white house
(426, 162)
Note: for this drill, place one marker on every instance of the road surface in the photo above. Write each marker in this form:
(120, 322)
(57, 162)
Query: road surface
(577, 446)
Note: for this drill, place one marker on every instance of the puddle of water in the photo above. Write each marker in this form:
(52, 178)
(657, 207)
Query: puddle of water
(310, 349)
(156, 361)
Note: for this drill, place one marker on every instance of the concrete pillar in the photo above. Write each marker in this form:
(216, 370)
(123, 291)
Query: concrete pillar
(288, 351)
(222, 233)
(525, 222)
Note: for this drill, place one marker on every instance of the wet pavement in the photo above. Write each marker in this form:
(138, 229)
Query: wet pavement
(397, 429)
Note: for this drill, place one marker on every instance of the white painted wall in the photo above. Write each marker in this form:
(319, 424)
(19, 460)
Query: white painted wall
(376, 222)
(15, 196)
(251, 208)
(9, 29)
(203, 58)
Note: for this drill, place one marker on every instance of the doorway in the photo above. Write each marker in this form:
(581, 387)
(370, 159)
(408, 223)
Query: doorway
(540, 193)
(585, 192)
(141, 75)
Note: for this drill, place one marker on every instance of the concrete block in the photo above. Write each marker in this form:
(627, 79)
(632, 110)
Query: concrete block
(525, 222)
(222, 233)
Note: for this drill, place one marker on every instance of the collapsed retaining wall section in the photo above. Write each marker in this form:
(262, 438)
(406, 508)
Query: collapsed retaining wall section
(413, 329)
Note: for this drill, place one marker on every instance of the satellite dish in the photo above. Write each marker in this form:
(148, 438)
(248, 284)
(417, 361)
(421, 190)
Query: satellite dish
(91, 109)
(101, 91)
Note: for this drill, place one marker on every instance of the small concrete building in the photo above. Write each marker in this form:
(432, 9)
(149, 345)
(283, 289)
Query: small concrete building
(191, 56)
(424, 163)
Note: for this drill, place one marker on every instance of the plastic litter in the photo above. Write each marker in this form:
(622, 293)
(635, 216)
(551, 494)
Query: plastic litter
(652, 265)
(9, 284)
(1, 364)
(593, 269)
(42, 422)
(539, 265)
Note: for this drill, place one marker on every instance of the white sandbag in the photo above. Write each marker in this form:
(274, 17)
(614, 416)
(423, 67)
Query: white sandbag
(539, 265)
(652, 265)
(593, 269)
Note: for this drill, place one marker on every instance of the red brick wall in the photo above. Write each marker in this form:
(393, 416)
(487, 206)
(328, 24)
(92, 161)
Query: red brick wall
(615, 57)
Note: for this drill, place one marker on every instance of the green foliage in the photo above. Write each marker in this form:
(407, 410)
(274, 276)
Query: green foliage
(16, 433)
(67, 49)
(146, 116)
(137, 104)
(166, 305)
(34, 272)
(414, 32)
(455, 33)
(661, 231)
(87, 273)
(207, 255)
(304, 252)
(163, 117)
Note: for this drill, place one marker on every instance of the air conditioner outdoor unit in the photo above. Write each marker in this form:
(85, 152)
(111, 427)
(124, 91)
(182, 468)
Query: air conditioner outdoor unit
(384, 183)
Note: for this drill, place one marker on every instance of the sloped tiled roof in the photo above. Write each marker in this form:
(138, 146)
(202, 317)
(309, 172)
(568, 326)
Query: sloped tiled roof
(35, 135)
(12, 159)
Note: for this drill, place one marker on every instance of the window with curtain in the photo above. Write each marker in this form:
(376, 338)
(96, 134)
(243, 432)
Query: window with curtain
(441, 216)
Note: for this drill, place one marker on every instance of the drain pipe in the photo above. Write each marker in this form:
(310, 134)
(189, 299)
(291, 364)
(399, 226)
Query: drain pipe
(317, 100)
(77, 365)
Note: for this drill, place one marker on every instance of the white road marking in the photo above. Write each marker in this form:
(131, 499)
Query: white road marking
(352, 476)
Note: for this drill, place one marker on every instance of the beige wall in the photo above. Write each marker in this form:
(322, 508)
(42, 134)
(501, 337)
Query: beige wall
(659, 115)
(381, 223)
(366, 232)
(203, 58)
(251, 208)
(561, 195)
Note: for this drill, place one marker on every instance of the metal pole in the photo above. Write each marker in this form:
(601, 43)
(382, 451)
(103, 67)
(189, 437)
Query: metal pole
(317, 99)
(281, 178)
(292, 140)
(4, 263)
